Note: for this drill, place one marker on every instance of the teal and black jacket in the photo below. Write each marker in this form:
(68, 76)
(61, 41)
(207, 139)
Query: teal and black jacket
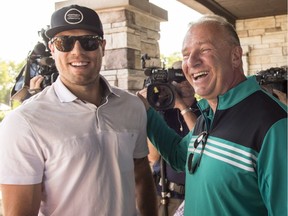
(243, 168)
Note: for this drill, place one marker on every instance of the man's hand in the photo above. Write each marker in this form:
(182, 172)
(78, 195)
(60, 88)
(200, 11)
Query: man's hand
(281, 95)
(35, 84)
(142, 94)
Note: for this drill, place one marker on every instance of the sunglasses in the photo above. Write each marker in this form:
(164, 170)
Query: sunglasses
(194, 159)
(66, 43)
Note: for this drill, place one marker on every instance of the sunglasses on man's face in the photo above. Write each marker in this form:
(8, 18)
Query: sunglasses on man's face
(66, 43)
(195, 159)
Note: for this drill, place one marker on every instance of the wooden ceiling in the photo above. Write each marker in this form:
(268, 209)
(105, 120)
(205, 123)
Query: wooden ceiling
(239, 9)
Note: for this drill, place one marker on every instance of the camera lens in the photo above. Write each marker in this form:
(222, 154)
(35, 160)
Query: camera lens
(160, 96)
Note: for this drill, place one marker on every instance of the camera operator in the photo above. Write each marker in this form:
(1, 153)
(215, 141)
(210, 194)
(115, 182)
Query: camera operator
(280, 95)
(35, 84)
(181, 118)
(38, 72)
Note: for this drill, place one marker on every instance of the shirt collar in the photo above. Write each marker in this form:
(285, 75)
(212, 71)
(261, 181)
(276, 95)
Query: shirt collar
(65, 95)
(234, 95)
(63, 92)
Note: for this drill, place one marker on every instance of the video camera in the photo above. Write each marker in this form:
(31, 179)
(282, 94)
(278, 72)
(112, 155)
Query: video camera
(274, 78)
(39, 62)
(160, 91)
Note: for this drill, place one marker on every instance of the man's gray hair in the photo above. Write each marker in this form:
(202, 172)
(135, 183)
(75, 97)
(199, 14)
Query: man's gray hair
(221, 21)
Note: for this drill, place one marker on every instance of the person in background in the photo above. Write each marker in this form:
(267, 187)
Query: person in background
(274, 81)
(235, 158)
(282, 96)
(35, 84)
(185, 110)
(66, 150)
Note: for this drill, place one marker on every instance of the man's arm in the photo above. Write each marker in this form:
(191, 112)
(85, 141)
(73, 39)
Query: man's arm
(272, 169)
(164, 138)
(21, 200)
(145, 188)
(189, 117)
(153, 155)
(281, 96)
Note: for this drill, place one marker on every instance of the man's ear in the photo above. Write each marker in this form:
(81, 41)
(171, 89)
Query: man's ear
(103, 46)
(237, 57)
(51, 47)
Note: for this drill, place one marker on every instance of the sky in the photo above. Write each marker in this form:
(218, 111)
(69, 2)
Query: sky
(173, 31)
(21, 20)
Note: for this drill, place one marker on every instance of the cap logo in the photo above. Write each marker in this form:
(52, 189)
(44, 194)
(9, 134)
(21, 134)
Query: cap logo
(73, 16)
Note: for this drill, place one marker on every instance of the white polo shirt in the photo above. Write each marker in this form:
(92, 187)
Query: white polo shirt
(83, 154)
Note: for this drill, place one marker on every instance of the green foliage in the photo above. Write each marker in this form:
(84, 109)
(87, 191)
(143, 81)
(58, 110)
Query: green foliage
(169, 60)
(8, 73)
(2, 114)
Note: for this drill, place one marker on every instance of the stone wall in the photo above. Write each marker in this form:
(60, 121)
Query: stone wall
(264, 42)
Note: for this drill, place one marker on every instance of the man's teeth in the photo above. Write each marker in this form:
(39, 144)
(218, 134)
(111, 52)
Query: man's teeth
(202, 73)
(78, 64)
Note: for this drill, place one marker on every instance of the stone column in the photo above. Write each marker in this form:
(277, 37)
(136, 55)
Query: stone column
(131, 29)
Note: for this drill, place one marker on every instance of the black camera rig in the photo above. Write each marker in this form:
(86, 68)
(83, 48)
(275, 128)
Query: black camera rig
(160, 91)
(39, 62)
(274, 78)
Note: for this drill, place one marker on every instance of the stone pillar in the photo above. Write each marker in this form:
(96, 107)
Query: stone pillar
(131, 29)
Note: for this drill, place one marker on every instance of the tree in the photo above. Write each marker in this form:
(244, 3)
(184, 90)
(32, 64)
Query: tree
(169, 60)
(8, 73)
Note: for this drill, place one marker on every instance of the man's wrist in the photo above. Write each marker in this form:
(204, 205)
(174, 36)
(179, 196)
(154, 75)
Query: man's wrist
(184, 111)
(34, 91)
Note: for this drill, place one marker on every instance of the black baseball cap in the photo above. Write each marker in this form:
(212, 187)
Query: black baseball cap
(74, 17)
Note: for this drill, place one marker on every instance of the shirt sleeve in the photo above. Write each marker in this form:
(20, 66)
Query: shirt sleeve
(272, 169)
(170, 145)
(20, 156)
(141, 149)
